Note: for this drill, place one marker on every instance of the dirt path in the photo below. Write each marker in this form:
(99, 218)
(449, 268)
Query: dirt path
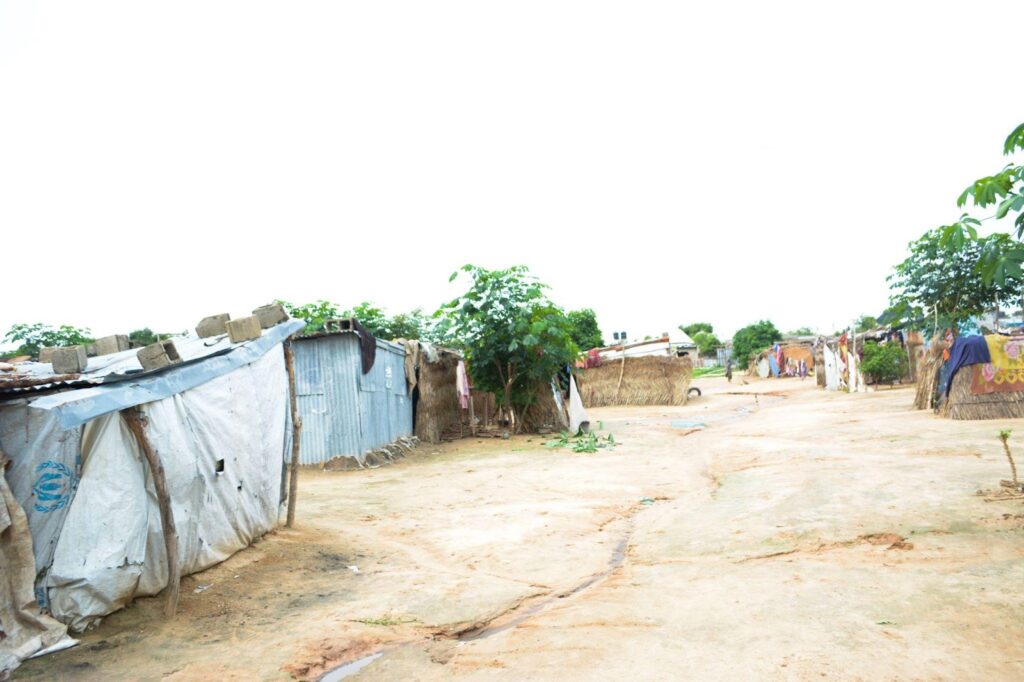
(799, 537)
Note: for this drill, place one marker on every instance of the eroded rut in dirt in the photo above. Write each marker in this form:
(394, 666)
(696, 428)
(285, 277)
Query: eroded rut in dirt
(518, 613)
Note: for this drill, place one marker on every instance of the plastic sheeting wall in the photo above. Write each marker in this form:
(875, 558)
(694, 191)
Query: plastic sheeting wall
(45, 468)
(222, 445)
(346, 413)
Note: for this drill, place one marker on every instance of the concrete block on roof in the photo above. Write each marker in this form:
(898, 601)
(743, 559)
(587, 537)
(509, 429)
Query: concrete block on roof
(46, 353)
(69, 360)
(112, 344)
(270, 315)
(158, 355)
(244, 329)
(214, 325)
(90, 350)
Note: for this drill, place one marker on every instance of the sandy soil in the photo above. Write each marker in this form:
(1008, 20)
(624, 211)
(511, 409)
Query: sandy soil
(800, 535)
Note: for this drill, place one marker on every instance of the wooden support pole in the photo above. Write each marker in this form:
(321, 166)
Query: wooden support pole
(622, 371)
(293, 476)
(136, 423)
(472, 417)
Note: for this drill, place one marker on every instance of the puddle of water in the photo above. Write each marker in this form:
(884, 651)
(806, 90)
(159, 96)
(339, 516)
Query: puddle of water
(350, 668)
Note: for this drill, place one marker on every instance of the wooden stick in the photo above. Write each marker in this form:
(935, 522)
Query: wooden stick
(136, 423)
(472, 417)
(293, 478)
(622, 370)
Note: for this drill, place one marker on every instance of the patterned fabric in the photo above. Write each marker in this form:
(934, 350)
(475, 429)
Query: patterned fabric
(988, 379)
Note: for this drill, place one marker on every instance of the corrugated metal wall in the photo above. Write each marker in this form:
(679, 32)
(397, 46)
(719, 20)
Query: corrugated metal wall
(345, 412)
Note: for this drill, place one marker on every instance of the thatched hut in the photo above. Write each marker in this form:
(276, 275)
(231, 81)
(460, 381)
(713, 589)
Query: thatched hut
(645, 380)
(963, 403)
(436, 408)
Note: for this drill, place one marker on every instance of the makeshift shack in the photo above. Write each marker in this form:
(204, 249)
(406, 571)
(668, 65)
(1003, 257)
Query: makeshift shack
(640, 380)
(92, 504)
(432, 384)
(352, 395)
(981, 377)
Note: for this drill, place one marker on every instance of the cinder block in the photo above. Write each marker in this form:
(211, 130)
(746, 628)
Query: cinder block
(270, 315)
(46, 353)
(214, 325)
(244, 329)
(90, 350)
(158, 355)
(69, 360)
(112, 344)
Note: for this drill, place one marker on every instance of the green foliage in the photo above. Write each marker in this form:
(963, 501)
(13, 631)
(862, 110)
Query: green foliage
(941, 284)
(697, 327)
(515, 339)
(586, 333)
(884, 364)
(588, 442)
(752, 339)
(315, 314)
(32, 337)
(707, 343)
(709, 372)
(1005, 191)
(801, 331)
(866, 323)
(145, 336)
(411, 325)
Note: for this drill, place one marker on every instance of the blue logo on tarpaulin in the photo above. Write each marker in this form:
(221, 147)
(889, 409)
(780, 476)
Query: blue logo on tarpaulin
(54, 486)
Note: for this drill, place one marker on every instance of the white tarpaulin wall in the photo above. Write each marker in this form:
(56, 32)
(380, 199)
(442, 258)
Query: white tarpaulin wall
(222, 445)
(111, 548)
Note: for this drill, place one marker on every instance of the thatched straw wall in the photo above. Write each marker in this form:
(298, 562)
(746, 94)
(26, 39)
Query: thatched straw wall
(928, 377)
(819, 362)
(649, 380)
(438, 407)
(544, 413)
(962, 404)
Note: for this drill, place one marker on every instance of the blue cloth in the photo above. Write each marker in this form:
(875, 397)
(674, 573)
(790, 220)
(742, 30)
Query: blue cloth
(774, 365)
(966, 350)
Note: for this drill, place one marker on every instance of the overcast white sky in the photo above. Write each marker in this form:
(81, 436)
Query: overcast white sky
(659, 162)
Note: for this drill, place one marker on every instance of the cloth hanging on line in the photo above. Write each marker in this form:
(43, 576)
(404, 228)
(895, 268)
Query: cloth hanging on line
(462, 385)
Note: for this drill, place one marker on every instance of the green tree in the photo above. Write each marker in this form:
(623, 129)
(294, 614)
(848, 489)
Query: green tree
(691, 329)
(884, 364)
(801, 331)
(941, 285)
(707, 343)
(1005, 191)
(866, 323)
(515, 338)
(586, 333)
(315, 314)
(145, 336)
(752, 339)
(32, 337)
(409, 325)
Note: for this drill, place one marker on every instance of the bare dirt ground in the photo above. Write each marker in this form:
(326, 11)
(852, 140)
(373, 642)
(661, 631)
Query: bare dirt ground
(800, 535)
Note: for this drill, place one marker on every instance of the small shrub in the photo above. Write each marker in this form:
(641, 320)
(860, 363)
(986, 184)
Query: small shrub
(884, 364)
